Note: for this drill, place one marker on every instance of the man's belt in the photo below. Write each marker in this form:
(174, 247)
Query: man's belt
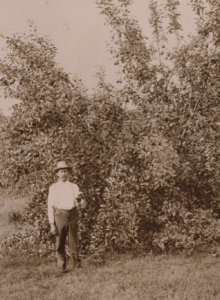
(64, 210)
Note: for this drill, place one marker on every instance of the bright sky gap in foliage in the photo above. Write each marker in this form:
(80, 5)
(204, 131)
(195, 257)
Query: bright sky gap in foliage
(77, 29)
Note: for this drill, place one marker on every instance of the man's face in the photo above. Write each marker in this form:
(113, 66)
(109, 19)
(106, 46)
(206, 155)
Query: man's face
(63, 174)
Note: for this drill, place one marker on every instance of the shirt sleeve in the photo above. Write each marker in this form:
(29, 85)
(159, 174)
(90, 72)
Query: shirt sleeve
(76, 194)
(51, 202)
(76, 190)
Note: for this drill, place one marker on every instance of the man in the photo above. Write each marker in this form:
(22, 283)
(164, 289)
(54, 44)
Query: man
(63, 215)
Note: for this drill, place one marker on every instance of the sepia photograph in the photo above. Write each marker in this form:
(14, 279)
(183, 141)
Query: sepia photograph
(109, 149)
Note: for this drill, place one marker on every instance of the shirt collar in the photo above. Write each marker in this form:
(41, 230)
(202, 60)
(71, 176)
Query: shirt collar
(63, 182)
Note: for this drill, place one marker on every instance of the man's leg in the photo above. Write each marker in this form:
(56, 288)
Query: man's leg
(73, 228)
(61, 224)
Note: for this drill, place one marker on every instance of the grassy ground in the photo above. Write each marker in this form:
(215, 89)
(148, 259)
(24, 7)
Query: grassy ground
(121, 277)
(150, 277)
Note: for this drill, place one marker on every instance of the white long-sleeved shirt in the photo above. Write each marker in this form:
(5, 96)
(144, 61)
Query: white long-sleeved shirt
(62, 195)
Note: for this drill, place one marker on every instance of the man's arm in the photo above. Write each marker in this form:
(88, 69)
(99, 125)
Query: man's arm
(80, 203)
(51, 198)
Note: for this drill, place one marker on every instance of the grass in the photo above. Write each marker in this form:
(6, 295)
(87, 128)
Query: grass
(122, 277)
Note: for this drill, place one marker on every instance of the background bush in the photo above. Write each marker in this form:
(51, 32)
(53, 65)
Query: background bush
(150, 175)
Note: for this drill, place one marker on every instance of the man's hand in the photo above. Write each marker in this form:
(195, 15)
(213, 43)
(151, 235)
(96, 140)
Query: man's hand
(53, 229)
(81, 204)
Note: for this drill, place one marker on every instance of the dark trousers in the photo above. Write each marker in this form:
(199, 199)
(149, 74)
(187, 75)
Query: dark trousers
(66, 222)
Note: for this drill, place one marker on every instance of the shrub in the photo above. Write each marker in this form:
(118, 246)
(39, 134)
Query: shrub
(14, 217)
(150, 175)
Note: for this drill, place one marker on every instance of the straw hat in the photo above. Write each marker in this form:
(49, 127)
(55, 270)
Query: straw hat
(61, 165)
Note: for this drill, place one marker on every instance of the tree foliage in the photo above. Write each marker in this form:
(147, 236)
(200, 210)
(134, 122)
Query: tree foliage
(150, 175)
